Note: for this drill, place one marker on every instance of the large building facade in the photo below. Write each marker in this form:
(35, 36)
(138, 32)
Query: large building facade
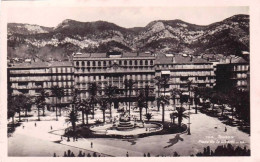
(113, 68)
(30, 78)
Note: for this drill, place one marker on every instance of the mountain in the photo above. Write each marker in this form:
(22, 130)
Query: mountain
(228, 37)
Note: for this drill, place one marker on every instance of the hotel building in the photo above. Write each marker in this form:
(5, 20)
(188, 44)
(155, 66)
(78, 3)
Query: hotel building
(30, 78)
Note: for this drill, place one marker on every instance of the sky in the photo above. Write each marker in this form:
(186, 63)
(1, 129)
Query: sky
(122, 16)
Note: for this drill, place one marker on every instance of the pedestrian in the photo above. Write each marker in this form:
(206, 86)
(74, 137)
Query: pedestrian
(35, 124)
(225, 129)
(61, 137)
(91, 145)
(51, 127)
(127, 154)
(23, 126)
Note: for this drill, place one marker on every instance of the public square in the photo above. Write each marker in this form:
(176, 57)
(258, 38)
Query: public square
(41, 140)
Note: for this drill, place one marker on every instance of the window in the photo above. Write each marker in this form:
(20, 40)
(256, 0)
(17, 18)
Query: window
(110, 62)
(23, 84)
(125, 62)
(99, 63)
(135, 62)
(83, 63)
(105, 63)
(77, 63)
(130, 63)
(141, 62)
(88, 63)
(94, 63)
(146, 62)
(120, 62)
(151, 62)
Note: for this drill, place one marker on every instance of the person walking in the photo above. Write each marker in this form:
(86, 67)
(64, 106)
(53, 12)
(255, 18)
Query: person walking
(127, 154)
(91, 144)
(225, 129)
(35, 124)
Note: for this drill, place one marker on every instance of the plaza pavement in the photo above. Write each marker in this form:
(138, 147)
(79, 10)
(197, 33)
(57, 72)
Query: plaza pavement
(40, 140)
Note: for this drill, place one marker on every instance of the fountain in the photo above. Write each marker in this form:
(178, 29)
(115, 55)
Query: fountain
(125, 122)
(126, 126)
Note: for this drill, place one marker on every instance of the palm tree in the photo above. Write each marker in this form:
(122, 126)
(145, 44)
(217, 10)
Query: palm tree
(131, 83)
(76, 101)
(40, 101)
(126, 90)
(174, 93)
(163, 100)
(146, 97)
(141, 103)
(173, 115)
(93, 89)
(181, 115)
(85, 104)
(110, 92)
(158, 80)
(20, 101)
(196, 98)
(148, 116)
(103, 107)
(11, 109)
(73, 118)
(165, 83)
(42, 97)
(58, 93)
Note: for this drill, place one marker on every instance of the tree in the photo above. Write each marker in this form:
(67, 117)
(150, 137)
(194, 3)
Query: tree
(163, 100)
(73, 118)
(93, 89)
(58, 93)
(147, 89)
(165, 83)
(110, 92)
(196, 98)
(173, 115)
(103, 107)
(20, 102)
(11, 109)
(85, 104)
(148, 116)
(174, 93)
(181, 115)
(158, 80)
(40, 101)
(131, 84)
(141, 103)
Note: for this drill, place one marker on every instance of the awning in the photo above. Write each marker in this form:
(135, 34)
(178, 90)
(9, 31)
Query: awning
(165, 72)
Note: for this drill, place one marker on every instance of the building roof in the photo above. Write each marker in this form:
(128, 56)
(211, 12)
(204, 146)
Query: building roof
(42, 64)
(238, 60)
(178, 59)
(104, 55)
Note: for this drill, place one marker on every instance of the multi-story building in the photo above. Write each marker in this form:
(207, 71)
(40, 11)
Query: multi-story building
(114, 68)
(30, 78)
(183, 68)
(233, 73)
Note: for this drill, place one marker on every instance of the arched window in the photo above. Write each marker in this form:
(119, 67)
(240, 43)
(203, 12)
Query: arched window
(141, 62)
(99, 63)
(83, 63)
(125, 62)
(135, 62)
(120, 62)
(88, 63)
(130, 62)
(151, 62)
(94, 63)
(146, 62)
(105, 63)
(77, 63)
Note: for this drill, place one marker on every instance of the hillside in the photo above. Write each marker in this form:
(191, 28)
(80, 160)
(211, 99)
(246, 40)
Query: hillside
(230, 36)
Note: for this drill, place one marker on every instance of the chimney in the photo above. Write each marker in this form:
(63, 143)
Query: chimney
(173, 59)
